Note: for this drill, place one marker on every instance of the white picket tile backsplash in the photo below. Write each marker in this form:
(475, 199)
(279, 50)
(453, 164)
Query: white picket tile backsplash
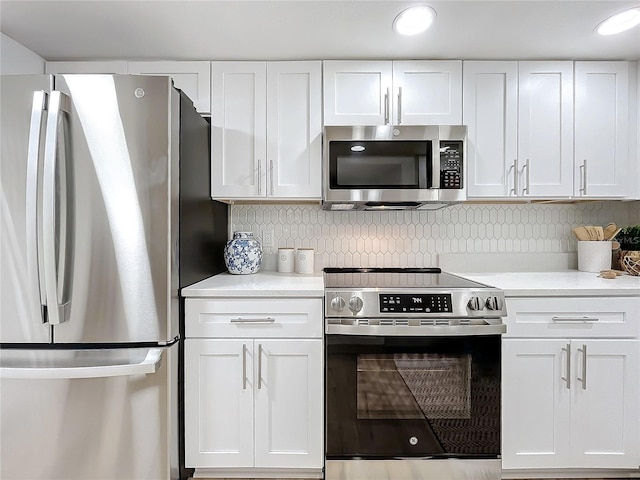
(415, 238)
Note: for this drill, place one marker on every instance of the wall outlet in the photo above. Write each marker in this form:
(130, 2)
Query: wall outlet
(267, 237)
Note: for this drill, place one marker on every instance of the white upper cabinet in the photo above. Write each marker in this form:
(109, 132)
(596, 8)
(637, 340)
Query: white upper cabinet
(602, 129)
(108, 67)
(427, 92)
(490, 99)
(545, 129)
(266, 130)
(357, 92)
(193, 78)
(294, 129)
(520, 129)
(238, 129)
(392, 93)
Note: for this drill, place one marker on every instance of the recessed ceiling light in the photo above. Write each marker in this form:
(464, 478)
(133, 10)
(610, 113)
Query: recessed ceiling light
(620, 22)
(414, 20)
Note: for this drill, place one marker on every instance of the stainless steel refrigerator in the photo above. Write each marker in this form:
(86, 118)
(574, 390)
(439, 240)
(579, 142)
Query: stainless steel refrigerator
(105, 213)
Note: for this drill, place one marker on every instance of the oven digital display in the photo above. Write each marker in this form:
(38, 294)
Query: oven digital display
(420, 303)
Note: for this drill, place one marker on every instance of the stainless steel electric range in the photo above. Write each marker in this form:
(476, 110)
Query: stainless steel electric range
(412, 375)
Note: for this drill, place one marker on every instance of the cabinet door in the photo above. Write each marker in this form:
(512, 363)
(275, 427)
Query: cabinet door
(602, 129)
(427, 93)
(194, 78)
(294, 129)
(545, 129)
(606, 406)
(357, 92)
(107, 67)
(491, 113)
(238, 129)
(535, 404)
(288, 403)
(219, 390)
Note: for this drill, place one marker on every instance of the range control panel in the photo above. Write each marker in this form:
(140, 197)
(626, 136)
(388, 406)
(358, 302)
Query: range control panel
(418, 303)
(451, 162)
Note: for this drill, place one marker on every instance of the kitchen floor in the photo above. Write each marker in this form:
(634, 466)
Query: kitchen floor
(626, 478)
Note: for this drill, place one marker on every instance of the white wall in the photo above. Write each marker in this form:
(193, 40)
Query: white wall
(16, 59)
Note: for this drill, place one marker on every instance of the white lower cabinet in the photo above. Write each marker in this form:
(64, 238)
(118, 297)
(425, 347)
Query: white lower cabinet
(254, 400)
(253, 403)
(571, 396)
(570, 403)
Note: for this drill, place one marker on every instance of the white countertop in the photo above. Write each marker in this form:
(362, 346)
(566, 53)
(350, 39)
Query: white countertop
(558, 284)
(261, 284)
(515, 284)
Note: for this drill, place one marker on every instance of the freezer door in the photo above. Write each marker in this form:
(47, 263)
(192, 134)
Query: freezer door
(121, 148)
(94, 414)
(21, 163)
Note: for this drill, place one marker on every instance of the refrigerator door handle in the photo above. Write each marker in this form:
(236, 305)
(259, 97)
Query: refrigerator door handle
(148, 365)
(34, 255)
(57, 211)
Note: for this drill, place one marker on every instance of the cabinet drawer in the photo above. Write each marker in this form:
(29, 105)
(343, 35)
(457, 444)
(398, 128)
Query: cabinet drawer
(253, 317)
(573, 317)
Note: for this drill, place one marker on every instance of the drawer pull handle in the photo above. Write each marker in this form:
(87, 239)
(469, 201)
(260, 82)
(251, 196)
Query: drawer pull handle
(575, 319)
(583, 350)
(567, 378)
(244, 367)
(259, 366)
(253, 320)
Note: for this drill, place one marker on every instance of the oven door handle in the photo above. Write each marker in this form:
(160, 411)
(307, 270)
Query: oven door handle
(416, 331)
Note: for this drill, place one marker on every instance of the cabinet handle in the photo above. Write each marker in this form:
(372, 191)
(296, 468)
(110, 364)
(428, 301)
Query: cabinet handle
(567, 378)
(574, 319)
(253, 320)
(386, 107)
(259, 366)
(259, 177)
(271, 175)
(583, 350)
(244, 366)
(399, 105)
(583, 177)
(514, 190)
(526, 188)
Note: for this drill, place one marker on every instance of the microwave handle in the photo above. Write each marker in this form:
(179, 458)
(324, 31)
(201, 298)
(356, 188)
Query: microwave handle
(434, 175)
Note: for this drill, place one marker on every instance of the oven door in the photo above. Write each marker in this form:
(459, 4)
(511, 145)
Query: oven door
(402, 397)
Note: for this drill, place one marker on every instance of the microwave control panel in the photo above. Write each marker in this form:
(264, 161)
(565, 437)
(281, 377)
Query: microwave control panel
(451, 164)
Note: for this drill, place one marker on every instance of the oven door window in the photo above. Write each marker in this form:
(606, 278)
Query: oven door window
(376, 165)
(411, 397)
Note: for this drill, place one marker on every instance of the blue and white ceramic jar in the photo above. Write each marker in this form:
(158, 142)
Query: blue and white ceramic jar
(243, 254)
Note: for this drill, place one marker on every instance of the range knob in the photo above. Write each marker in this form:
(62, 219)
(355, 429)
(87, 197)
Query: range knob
(494, 303)
(355, 304)
(337, 303)
(474, 304)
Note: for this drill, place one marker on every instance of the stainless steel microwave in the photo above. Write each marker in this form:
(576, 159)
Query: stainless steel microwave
(394, 167)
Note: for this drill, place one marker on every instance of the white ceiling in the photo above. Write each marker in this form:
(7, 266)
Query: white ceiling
(310, 29)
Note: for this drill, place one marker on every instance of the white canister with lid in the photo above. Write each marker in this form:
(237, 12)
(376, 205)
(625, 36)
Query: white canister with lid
(305, 261)
(286, 260)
